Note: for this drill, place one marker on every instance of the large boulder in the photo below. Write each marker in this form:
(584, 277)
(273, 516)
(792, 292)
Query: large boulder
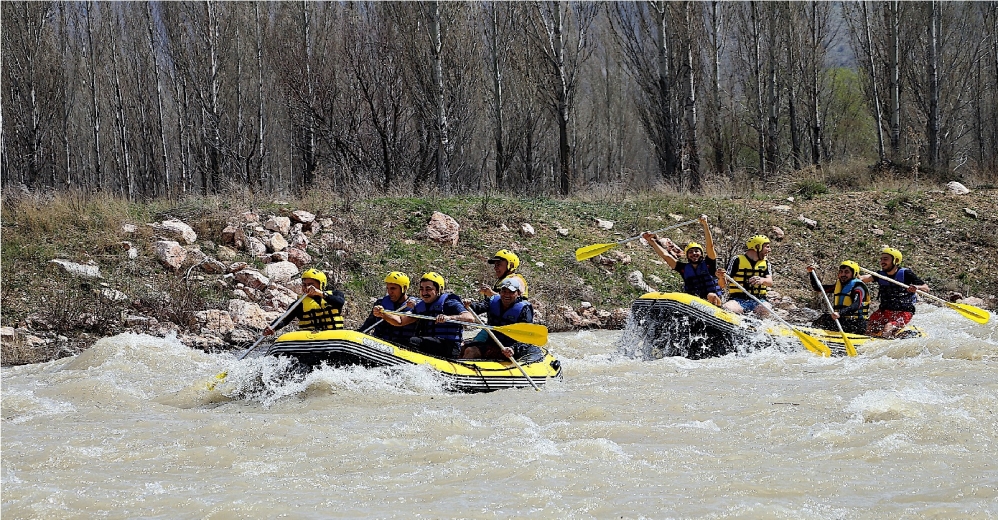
(443, 229)
(252, 278)
(280, 225)
(73, 268)
(299, 257)
(249, 314)
(170, 253)
(176, 230)
(214, 321)
(302, 216)
(280, 272)
(255, 246)
(276, 242)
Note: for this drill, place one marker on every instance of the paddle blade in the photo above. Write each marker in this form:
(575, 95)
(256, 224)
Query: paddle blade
(813, 344)
(850, 348)
(971, 313)
(210, 385)
(525, 333)
(585, 253)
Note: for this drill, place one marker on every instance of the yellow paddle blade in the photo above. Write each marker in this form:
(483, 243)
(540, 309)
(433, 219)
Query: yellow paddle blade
(813, 344)
(219, 377)
(970, 312)
(850, 348)
(525, 333)
(585, 253)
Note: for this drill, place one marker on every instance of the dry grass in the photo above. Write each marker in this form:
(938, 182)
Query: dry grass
(382, 236)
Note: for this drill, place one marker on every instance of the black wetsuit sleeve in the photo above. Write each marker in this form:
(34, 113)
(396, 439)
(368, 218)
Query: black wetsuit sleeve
(335, 298)
(479, 307)
(369, 322)
(527, 314)
(911, 278)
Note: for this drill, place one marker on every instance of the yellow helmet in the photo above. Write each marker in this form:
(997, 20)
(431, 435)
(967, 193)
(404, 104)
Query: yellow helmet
(851, 265)
(693, 245)
(435, 278)
(887, 250)
(757, 241)
(510, 257)
(399, 279)
(316, 275)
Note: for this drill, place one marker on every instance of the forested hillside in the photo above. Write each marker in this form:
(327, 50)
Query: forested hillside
(165, 99)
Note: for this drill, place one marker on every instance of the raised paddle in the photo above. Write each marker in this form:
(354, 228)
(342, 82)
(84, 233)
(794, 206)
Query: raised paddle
(587, 252)
(850, 349)
(222, 375)
(511, 358)
(809, 342)
(521, 332)
(968, 311)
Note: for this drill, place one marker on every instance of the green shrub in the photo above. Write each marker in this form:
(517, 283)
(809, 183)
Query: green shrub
(808, 189)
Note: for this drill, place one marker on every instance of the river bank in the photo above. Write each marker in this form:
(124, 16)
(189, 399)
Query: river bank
(116, 274)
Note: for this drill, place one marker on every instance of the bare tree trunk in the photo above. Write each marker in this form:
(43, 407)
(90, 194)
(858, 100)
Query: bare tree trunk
(932, 124)
(121, 120)
(167, 186)
(895, 77)
(443, 141)
(773, 96)
(258, 179)
(717, 25)
(308, 175)
(792, 85)
(878, 111)
(213, 123)
(692, 149)
(558, 53)
(817, 57)
(497, 50)
(757, 70)
(95, 105)
(665, 90)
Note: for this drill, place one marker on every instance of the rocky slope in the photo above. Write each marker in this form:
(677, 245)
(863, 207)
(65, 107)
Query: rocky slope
(216, 271)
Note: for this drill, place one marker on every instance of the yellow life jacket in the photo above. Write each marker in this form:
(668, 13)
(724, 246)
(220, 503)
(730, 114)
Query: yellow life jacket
(745, 270)
(843, 299)
(523, 280)
(316, 314)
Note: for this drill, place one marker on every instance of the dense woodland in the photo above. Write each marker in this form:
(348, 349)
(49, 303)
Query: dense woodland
(165, 99)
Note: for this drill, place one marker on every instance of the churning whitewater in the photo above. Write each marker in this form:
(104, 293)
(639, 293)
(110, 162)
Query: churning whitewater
(127, 429)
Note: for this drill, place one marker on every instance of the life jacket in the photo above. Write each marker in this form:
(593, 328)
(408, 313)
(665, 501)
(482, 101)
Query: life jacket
(498, 318)
(495, 286)
(446, 330)
(316, 314)
(745, 270)
(894, 297)
(512, 315)
(699, 281)
(843, 298)
(397, 335)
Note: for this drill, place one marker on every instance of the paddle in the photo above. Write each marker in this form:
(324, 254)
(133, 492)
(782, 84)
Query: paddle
(809, 342)
(375, 324)
(494, 338)
(222, 375)
(587, 252)
(967, 311)
(850, 349)
(520, 332)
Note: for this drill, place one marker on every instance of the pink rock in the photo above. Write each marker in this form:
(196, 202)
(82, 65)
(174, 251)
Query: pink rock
(170, 253)
(443, 229)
